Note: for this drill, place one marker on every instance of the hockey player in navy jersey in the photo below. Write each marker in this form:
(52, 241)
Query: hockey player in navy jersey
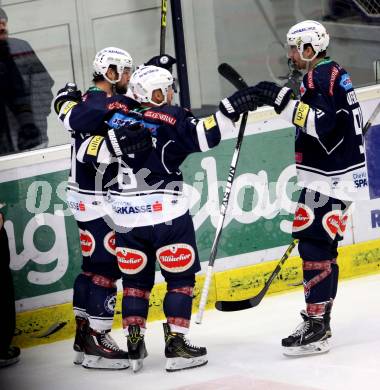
(331, 169)
(151, 213)
(95, 288)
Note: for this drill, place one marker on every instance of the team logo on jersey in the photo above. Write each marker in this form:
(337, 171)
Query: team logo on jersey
(109, 242)
(310, 81)
(360, 179)
(301, 113)
(126, 208)
(298, 157)
(342, 225)
(345, 82)
(176, 257)
(131, 261)
(118, 106)
(331, 222)
(161, 116)
(110, 303)
(87, 242)
(209, 122)
(76, 206)
(302, 89)
(334, 75)
(303, 217)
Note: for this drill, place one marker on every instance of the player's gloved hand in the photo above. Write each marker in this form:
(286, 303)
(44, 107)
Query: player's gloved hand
(29, 136)
(163, 61)
(129, 139)
(69, 93)
(238, 103)
(271, 94)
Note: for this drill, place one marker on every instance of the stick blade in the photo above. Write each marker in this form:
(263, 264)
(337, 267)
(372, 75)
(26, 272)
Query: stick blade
(230, 74)
(237, 305)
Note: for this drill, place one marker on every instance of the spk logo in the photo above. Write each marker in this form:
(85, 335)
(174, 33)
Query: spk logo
(131, 261)
(176, 257)
(87, 242)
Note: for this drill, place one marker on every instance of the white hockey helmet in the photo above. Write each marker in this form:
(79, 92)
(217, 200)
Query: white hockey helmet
(112, 56)
(308, 31)
(147, 79)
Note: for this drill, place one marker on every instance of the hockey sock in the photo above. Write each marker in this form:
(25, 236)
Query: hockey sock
(135, 308)
(80, 294)
(177, 308)
(101, 302)
(318, 280)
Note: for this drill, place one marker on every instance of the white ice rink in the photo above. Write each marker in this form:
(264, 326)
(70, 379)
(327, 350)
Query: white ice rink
(244, 352)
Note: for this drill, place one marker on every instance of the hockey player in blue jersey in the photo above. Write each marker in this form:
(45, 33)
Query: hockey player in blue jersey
(331, 168)
(95, 288)
(151, 213)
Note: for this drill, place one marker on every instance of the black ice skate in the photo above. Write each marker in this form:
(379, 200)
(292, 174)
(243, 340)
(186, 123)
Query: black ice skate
(309, 338)
(101, 351)
(10, 356)
(136, 347)
(326, 318)
(180, 354)
(80, 334)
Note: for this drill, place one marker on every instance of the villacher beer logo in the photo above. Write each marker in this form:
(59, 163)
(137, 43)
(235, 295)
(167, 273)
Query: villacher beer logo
(176, 257)
(110, 242)
(131, 261)
(87, 242)
(334, 223)
(303, 217)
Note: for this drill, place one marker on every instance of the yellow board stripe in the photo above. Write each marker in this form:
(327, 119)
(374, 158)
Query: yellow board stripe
(241, 283)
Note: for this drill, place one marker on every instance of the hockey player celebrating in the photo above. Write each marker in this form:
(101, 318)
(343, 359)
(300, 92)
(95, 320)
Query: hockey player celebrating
(95, 288)
(155, 209)
(330, 158)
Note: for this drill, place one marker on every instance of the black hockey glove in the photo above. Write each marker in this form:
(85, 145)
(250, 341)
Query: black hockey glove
(238, 103)
(29, 136)
(129, 139)
(271, 94)
(69, 93)
(163, 61)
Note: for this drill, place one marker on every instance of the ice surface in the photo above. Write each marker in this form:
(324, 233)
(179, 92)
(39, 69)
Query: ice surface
(244, 352)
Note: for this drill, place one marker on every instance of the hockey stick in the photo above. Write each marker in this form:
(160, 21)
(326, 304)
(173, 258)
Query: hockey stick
(231, 75)
(254, 301)
(164, 8)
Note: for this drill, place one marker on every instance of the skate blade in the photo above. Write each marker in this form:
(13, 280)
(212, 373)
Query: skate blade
(78, 358)
(9, 362)
(179, 363)
(310, 349)
(99, 362)
(136, 364)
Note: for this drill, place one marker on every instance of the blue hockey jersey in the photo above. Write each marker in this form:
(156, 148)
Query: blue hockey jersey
(91, 165)
(153, 190)
(329, 148)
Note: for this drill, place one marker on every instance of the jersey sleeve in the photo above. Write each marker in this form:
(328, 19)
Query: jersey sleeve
(93, 149)
(193, 134)
(90, 115)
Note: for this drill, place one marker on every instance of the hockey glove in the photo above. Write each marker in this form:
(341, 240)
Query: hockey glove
(69, 93)
(238, 103)
(163, 61)
(129, 139)
(271, 94)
